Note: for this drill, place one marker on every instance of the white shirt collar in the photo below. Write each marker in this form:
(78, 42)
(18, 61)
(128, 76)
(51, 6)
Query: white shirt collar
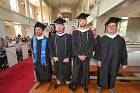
(82, 30)
(112, 36)
(60, 34)
(39, 37)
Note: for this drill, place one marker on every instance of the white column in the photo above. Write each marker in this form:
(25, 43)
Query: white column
(100, 26)
(3, 32)
(87, 6)
(27, 8)
(84, 4)
(40, 4)
(30, 31)
(50, 16)
(95, 23)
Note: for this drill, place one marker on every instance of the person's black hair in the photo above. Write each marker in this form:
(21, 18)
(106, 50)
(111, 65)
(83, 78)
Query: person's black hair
(53, 25)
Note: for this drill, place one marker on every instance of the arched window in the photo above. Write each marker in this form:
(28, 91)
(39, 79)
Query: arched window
(31, 12)
(123, 27)
(14, 5)
(18, 29)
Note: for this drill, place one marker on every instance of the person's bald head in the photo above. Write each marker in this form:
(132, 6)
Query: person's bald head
(93, 29)
(72, 28)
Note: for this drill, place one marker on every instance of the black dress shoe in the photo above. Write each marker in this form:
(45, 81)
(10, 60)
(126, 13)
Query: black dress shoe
(73, 87)
(85, 88)
(69, 85)
(56, 86)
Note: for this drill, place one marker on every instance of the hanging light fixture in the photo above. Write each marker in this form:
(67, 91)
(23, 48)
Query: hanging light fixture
(59, 15)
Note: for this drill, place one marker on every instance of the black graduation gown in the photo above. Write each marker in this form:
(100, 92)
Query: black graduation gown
(43, 72)
(97, 40)
(96, 46)
(82, 44)
(112, 54)
(60, 46)
(51, 33)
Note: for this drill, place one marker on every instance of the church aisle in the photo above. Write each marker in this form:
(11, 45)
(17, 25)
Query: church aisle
(122, 87)
(18, 78)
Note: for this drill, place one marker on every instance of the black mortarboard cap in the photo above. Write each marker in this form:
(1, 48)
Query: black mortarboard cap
(113, 20)
(82, 16)
(59, 21)
(40, 25)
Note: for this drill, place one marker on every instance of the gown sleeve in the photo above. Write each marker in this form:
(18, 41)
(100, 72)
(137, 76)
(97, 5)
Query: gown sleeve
(69, 46)
(90, 46)
(51, 52)
(74, 48)
(124, 54)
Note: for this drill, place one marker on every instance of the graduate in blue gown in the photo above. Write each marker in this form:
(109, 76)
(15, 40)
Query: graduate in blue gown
(42, 62)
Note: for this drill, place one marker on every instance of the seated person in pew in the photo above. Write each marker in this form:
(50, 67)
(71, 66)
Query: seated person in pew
(11, 42)
(18, 46)
(2, 53)
(5, 44)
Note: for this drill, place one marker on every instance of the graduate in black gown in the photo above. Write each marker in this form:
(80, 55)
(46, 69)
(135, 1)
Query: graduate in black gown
(82, 47)
(112, 55)
(60, 51)
(42, 63)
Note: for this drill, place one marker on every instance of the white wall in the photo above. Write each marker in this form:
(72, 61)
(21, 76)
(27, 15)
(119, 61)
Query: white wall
(45, 10)
(101, 7)
(93, 13)
(133, 29)
(133, 58)
(13, 17)
(30, 31)
(10, 16)
(38, 14)
(106, 5)
(100, 26)
(10, 29)
(47, 13)
(3, 32)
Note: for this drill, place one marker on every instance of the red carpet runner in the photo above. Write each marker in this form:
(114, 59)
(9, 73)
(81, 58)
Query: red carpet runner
(18, 78)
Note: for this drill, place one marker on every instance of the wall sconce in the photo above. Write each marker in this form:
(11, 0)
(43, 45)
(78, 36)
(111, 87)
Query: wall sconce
(23, 4)
(59, 15)
(36, 13)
